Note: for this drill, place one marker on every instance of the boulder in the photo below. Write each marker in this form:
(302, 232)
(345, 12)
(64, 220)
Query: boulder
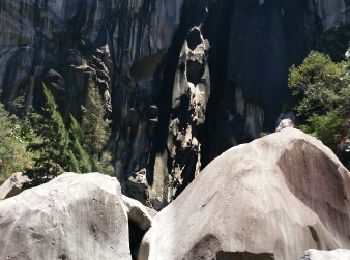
(139, 221)
(271, 199)
(13, 185)
(340, 254)
(72, 217)
(138, 213)
(285, 120)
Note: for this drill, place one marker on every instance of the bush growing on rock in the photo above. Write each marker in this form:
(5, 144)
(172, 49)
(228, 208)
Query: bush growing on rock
(322, 91)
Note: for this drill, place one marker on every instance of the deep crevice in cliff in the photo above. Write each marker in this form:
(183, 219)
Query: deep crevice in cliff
(218, 17)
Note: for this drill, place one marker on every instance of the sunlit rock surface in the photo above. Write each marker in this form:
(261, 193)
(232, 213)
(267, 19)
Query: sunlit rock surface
(72, 217)
(271, 199)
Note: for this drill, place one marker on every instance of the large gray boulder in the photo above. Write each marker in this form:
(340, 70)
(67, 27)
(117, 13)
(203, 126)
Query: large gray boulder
(271, 199)
(73, 217)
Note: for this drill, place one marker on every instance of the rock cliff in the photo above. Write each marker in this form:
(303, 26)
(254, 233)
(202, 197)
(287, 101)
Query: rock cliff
(182, 80)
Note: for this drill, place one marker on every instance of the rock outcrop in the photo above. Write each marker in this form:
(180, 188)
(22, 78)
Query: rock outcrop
(271, 199)
(339, 254)
(138, 213)
(222, 81)
(13, 185)
(72, 217)
(139, 220)
(182, 80)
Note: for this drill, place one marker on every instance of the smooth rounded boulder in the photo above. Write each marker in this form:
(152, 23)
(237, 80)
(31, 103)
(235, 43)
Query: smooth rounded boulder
(73, 217)
(274, 198)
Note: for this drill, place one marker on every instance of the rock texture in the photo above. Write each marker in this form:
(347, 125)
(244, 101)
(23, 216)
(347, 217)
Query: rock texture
(272, 199)
(339, 254)
(182, 80)
(13, 185)
(138, 213)
(139, 220)
(61, 43)
(72, 217)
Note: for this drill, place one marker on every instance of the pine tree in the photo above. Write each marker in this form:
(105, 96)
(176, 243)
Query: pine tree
(54, 156)
(78, 146)
(96, 130)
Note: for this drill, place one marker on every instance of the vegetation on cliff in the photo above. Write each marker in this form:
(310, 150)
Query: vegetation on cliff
(321, 87)
(96, 131)
(44, 146)
(14, 137)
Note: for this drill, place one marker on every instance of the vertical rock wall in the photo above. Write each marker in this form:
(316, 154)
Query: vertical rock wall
(182, 80)
(62, 43)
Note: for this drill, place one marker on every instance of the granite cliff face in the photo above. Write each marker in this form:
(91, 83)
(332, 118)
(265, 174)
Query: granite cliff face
(182, 80)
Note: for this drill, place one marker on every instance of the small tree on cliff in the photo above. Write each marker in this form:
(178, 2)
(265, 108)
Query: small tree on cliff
(96, 131)
(77, 139)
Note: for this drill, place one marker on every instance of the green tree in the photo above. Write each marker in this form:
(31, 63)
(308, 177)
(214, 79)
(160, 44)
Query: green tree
(322, 90)
(320, 85)
(329, 128)
(96, 131)
(77, 139)
(52, 144)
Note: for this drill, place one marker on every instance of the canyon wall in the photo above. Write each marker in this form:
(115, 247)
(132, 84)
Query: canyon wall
(182, 80)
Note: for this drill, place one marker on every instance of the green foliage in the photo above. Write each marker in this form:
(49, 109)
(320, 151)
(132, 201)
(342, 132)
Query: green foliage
(322, 88)
(41, 144)
(94, 124)
(52, 142)
(79, 149)
(96, 131)
(57, 148)
(14, 135)
(78, 146)
(328, 128)
(320, 84)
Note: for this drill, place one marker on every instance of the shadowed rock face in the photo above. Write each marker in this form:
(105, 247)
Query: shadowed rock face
(273, 198)
(62, 43)
(182, 80)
